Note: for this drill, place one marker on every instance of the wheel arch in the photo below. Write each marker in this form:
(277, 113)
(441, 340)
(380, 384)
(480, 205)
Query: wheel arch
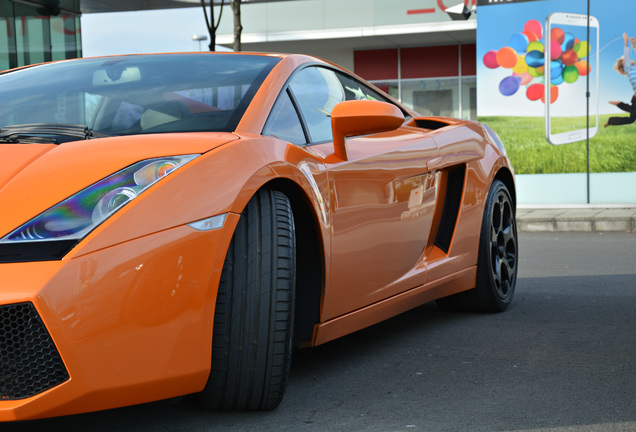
(506, 177)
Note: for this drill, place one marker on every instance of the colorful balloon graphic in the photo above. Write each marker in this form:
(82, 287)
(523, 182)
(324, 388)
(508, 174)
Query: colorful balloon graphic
(582, 67)
(509, 85)
(582, 49)
(521, 66)
(554, 94)
(535, 91)
(570, 74)
(519, 42)
(535, 46)
(507, 57)
(568, 42)
(534, 26)
(490, 59)
(557, 35)
(524, 55)
(555, 50)
(569, 57)
(535, 59)
(525, 78)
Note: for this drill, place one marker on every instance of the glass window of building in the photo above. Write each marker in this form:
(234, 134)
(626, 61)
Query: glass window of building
(34, 32)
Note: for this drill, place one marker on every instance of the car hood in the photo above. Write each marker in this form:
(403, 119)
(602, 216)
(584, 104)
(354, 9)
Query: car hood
(35, 177)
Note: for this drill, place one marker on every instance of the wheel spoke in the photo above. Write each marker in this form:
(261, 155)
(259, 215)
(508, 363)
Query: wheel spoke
(494, 235)
(504, 279)
(509, 268)
(497, 272)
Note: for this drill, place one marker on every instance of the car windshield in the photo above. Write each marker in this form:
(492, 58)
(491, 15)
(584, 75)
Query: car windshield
(134, 94)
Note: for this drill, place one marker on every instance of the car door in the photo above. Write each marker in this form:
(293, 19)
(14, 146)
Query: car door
(382, 197)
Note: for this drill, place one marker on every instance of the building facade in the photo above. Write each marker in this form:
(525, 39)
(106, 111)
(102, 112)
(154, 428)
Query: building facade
(38, 31)
(415, 50)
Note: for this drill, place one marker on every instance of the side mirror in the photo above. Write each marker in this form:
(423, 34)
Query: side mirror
(362, 117)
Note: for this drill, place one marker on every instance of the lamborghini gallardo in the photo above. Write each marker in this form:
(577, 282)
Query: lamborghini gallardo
(178, 224)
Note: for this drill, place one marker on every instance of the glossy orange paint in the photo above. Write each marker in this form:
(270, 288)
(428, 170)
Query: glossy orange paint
(131, 307)
(346, 121)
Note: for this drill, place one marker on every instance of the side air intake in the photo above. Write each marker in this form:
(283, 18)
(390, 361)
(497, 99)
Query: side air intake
(425, 123)
(452, 203)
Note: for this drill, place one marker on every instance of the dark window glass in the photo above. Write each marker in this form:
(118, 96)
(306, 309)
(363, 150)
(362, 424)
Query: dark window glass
(283, 122)
(317, 91)
(136, 94)
(355, 90)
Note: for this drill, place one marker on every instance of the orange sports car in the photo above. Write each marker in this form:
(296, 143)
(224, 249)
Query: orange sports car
(176, 224)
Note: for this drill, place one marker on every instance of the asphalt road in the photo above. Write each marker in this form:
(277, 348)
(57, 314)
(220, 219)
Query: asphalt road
(561, 358)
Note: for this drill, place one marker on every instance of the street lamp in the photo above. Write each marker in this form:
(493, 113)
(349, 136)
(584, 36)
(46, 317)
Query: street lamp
(199, 38)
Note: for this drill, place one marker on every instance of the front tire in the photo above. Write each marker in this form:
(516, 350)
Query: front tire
(497, 260)
(253, 321)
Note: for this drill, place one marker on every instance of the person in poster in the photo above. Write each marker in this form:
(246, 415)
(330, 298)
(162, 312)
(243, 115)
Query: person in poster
(624, 66)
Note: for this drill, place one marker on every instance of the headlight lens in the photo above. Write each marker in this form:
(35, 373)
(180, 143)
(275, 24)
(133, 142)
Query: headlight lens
(76, 216)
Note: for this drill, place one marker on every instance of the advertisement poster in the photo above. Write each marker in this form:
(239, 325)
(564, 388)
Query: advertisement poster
(572, 151)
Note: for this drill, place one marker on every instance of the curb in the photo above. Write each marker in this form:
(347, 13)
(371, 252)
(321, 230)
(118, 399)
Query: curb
(581, 218)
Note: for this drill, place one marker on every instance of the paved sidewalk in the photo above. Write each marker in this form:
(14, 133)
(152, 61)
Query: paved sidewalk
(590, 217)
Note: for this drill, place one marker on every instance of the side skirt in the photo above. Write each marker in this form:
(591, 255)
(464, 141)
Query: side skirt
(385, 309)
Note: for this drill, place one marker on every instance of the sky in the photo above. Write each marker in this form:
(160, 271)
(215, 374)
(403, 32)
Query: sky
(143, 32)
(496, 25)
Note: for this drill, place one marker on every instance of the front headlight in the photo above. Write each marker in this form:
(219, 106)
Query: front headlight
(75, 217)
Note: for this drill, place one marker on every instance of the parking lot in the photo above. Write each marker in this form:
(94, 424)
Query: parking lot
(561, 358)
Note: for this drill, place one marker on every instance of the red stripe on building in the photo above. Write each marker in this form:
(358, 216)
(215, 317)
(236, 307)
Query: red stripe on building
(419, 11)
(379, 64)
(416, 62)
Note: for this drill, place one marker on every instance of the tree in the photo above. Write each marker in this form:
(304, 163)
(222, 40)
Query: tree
(213, 26)
(209, 21)
(238, 28)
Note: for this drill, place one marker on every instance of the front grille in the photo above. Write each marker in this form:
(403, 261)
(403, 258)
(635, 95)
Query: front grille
(29, 361)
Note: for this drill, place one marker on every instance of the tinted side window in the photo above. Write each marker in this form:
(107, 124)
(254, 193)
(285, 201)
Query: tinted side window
(317, 91)
(283, 122)
(356, 91)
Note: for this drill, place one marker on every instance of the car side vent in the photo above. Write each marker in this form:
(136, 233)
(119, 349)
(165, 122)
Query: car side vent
(429, 124)
(452, 202)
(29, 361)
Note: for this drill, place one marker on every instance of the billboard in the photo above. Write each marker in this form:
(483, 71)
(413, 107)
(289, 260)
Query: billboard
(580, 147)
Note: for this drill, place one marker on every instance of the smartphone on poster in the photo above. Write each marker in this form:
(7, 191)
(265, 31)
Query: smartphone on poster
(570, 60)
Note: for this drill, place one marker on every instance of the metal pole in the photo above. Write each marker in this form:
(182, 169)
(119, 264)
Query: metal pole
(461, 111)
(399, 65)
(587, 108)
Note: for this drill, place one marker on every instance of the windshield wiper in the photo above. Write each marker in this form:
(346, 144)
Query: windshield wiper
(51, 133)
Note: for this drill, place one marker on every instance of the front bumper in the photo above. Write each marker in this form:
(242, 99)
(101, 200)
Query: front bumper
(127, 324)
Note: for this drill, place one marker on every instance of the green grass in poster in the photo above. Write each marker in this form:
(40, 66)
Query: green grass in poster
(613, 149)
(565, 124)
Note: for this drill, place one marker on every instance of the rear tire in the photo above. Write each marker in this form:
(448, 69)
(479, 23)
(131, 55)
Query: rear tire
(253, 321)
(497, 261)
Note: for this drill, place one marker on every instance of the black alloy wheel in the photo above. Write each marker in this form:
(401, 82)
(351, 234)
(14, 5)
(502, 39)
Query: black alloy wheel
(498, 258)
